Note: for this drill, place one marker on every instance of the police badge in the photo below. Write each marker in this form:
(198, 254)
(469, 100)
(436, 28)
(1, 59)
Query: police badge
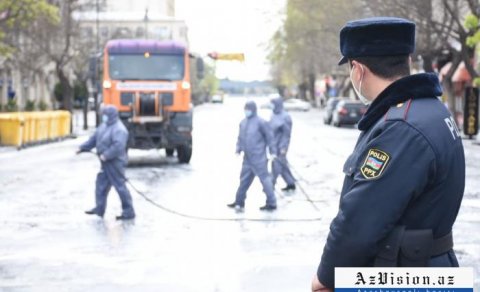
(374, 164)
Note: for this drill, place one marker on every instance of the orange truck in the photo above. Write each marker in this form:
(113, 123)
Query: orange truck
(149, 82)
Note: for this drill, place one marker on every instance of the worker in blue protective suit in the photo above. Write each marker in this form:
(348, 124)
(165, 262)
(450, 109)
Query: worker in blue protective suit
(404, 181)
(253, 139)
(110, 139)
(281, 125)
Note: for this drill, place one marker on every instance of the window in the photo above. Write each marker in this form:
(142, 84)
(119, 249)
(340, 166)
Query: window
(183, 32)
(104, 32)
(140, 67)
(86, 32)
(140, 32)
(161, 33)
(122, 32)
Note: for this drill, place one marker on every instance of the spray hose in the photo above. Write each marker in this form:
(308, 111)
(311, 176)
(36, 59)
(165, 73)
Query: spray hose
(204, 218)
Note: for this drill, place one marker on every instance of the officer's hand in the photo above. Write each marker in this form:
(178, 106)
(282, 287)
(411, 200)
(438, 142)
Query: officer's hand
(319, 287)
(102, 157)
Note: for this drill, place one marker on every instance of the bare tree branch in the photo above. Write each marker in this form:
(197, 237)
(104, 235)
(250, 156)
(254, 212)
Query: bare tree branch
(454, 13)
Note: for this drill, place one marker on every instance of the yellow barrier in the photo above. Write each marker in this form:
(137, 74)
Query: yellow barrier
(18, 129)
(64, 118)
(11, 126)
(28, 128)
(41, 126)
(53, 126)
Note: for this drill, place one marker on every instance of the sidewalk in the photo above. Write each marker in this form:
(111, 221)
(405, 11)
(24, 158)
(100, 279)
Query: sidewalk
(77, 123)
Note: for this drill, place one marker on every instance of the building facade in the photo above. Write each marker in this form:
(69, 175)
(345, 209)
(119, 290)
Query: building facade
(116, 19)
(157, 7)
(98, 22)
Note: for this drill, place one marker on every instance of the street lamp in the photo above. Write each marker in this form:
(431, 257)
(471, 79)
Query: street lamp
(145, 19)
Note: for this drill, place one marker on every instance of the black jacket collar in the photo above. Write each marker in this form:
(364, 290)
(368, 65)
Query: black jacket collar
(424, 85)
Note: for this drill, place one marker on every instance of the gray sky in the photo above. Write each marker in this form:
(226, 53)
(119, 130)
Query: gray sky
(233, 26)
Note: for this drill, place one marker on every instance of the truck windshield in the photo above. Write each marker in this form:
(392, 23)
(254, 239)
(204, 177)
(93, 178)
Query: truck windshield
(140, 67)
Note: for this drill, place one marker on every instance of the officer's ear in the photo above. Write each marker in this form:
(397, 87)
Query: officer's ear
(359, 69)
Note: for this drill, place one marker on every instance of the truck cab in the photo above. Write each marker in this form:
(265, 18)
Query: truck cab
(149, 82)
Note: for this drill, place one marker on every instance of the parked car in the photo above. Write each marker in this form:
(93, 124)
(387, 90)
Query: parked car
(296, 105)
(273, 95)
(348, 112)
(217, 98)
(331, 105)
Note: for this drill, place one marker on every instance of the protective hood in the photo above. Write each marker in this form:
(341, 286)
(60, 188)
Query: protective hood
(251, 105)
(111, 112)
(277, 105)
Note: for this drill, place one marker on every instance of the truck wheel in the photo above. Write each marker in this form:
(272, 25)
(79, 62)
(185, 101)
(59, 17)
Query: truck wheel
(184, 153)
(169, 152)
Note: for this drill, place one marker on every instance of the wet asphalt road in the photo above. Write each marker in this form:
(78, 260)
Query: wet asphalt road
(48, 244)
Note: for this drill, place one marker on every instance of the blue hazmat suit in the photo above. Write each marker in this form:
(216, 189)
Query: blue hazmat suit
(254, 137)
(110, 139)
(281, 125)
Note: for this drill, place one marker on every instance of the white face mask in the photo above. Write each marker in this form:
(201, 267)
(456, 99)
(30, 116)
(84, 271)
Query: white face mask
(362, 98)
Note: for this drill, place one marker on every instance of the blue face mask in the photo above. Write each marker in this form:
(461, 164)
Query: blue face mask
(248, 113)
(104, 118)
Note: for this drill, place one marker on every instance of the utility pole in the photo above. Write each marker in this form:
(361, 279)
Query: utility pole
(93, 76)
(97, 25)
(97, 53)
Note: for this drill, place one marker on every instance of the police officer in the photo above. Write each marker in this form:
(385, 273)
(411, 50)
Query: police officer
(110, 139)
(281, 124)
(253, 139)
(405, 179)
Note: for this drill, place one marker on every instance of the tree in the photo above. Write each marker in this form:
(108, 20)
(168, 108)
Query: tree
(202, 86)
(466, 14)
(442, 25)
(23, 52)
(434, 26)
(58, 42)
(16, 15)
(307, 43)
(472, 23)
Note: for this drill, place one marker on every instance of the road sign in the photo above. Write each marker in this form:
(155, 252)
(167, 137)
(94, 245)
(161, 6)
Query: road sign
(470, 124)
(227, 57)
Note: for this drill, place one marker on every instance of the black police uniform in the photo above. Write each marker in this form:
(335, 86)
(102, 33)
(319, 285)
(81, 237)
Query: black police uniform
(405, 179)
(407, 169)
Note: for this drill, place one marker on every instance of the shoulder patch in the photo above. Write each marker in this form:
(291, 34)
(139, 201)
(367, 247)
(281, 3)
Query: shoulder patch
(375, 163)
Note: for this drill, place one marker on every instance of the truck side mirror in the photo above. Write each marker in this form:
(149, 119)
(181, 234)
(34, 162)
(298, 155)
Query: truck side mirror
(200, 68)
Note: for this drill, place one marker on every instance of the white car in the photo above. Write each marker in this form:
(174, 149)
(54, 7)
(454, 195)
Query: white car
(294, 104)
(217, 98)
